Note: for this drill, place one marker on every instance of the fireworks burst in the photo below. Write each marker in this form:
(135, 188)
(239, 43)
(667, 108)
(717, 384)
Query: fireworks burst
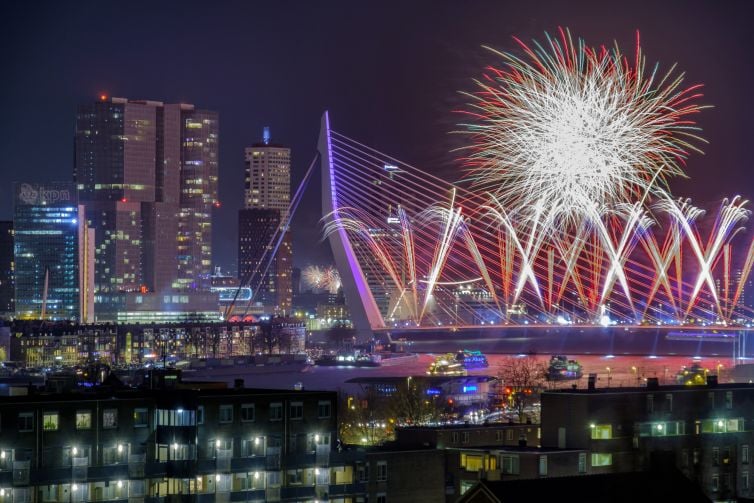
(566, 132)
(325, 279)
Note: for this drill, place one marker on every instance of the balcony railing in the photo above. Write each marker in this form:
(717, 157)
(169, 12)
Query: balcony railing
(223, 459)
(21, 473)
(272, 494)
(136, 464)
(323, 455)
(273, 458)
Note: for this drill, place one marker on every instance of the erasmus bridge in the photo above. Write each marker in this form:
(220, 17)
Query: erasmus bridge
(423, 257)
(563, 222)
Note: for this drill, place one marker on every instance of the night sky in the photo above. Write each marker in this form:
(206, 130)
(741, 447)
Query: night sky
(388, 72)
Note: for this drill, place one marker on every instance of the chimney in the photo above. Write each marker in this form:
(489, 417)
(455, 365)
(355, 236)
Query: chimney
(653, 383)
(711, 381)
(592, 382)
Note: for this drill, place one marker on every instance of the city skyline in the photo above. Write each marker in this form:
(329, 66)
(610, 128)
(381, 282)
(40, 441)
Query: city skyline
(411, 121)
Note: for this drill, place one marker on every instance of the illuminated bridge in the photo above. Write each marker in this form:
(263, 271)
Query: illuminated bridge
(418, 254)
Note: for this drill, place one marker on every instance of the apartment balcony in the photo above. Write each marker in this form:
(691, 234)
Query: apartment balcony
(136, 465)
(298, 493)
(273, 458)
(223, 459)
(272, 494)
(347, 489)
(21, 471)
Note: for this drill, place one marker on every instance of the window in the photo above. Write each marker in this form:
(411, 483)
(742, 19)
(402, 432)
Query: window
(141, 418)
(499, 436)
(381, 471)
(297, 410)
(745, 454)
(509, 465)
(715, 482)
(728, 400)
(50, 421)
(582, 462)
(226, 414)
(472, 462)
(602, 432)
(454, 437)
(726, 455)
(465, 437)
(685, 458)
(711, 399)
(200, 414)
(696, 456)
(745, 481)
(542, 466)
(110, 418)
(669, 401)
(715, 456)
(25, 421)
(324, 409)
(661, 429)
(602, 459)
(362, 472)
(247, 412)
(83, 419)
(650, 403)
(722, 425)
(381, 498)
(276, 411)
(509, 435)
(295, 477)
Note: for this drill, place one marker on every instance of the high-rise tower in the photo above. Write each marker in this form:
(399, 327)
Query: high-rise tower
(147, 174)
(266, 200)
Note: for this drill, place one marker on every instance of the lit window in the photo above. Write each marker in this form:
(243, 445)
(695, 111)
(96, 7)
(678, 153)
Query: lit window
(602, 431)
(50, 421)
(602, 459)
(542, 466)
(582, 462)
(83, 420)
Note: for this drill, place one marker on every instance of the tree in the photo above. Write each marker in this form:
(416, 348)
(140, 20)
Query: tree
(411, 404)
(521, 382)
(364, 418)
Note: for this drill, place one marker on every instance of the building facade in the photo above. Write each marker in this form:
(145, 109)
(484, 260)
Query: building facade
(147, 174)
(52, 253)
(180, 442)
(267, 198)
(7, 273)
(706, 430)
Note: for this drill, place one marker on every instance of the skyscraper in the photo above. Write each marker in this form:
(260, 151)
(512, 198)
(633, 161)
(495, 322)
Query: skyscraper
(266, 200)
(7, 289)
(52, 253)
(147, 174)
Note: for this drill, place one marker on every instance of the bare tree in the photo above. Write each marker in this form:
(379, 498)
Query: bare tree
(411, 404)
(522, 380)
(364, 418)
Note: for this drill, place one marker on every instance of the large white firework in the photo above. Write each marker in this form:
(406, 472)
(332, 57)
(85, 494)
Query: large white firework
(323, 279)
(565, 132)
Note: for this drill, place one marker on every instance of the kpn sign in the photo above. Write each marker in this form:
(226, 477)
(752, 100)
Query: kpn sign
(49, 193)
